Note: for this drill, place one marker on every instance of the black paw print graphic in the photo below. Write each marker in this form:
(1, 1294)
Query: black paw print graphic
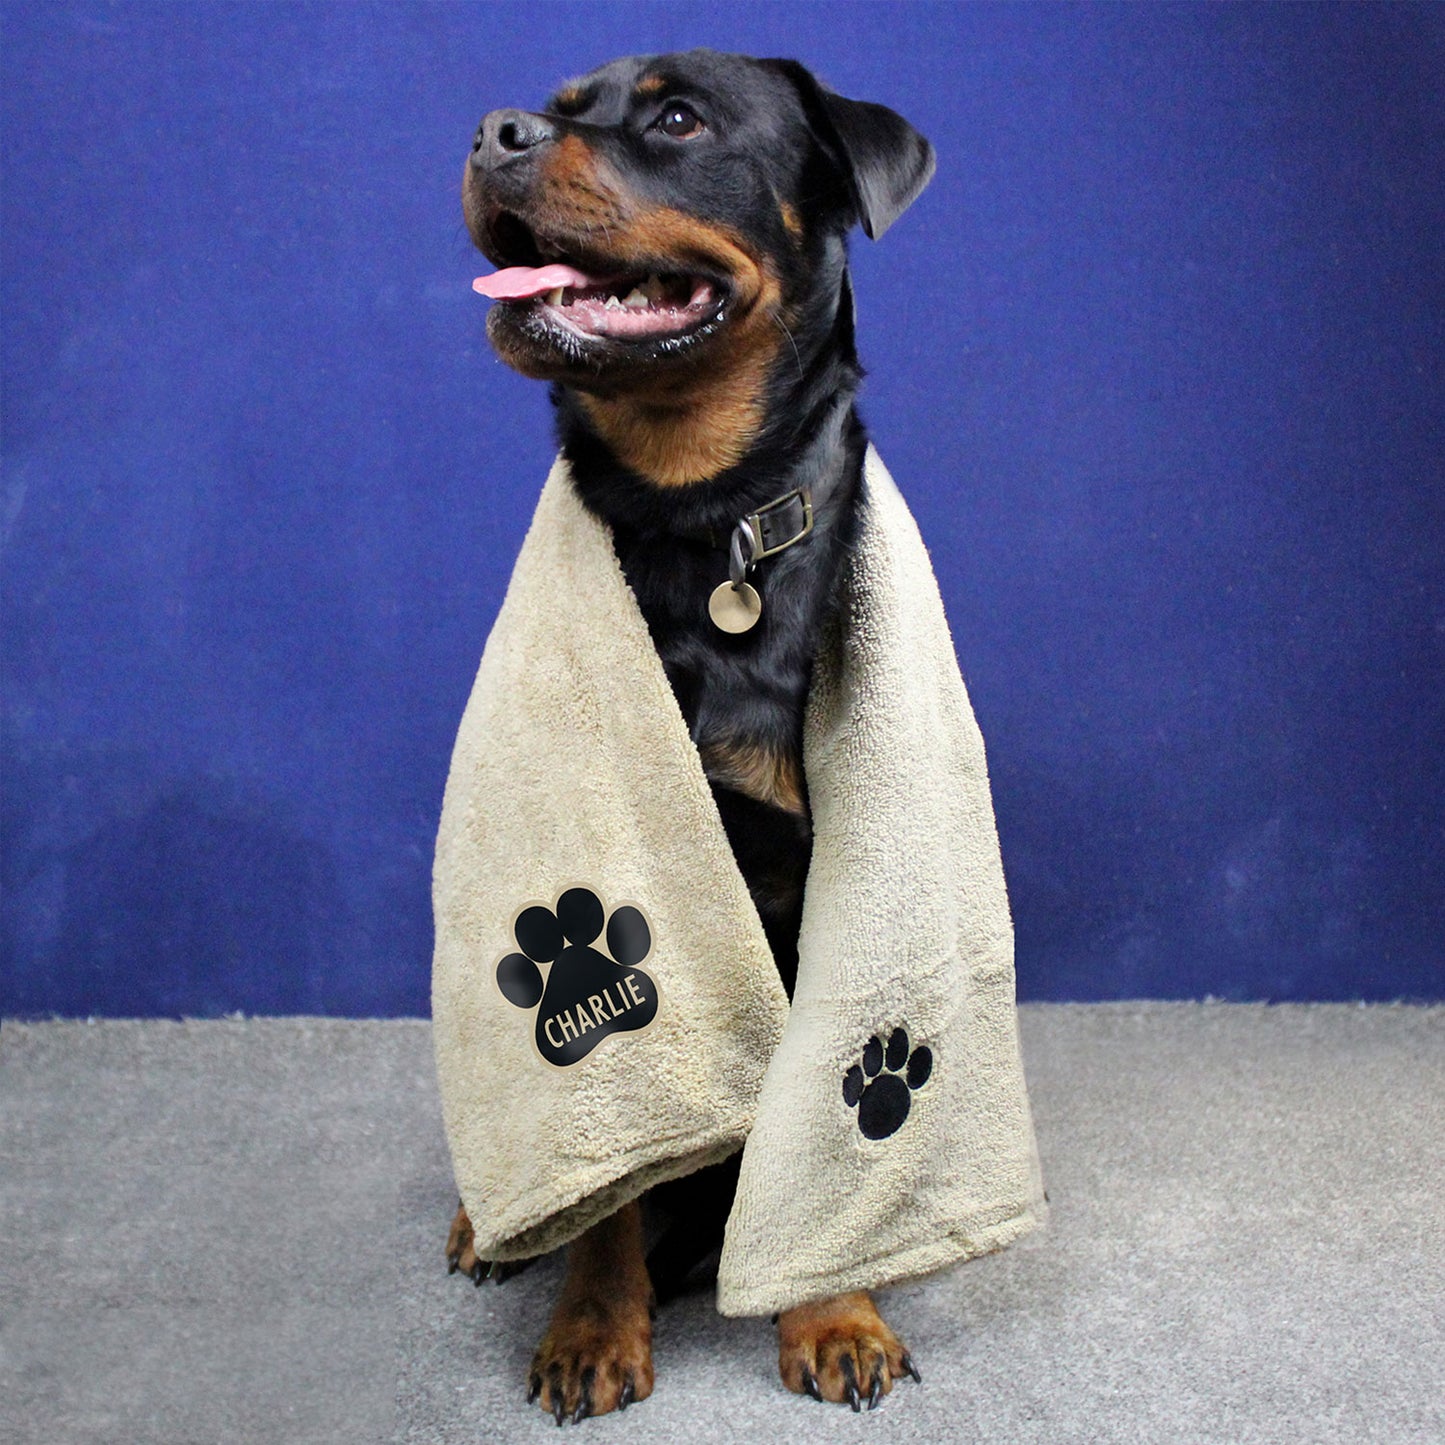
(587, 996)
(882, 1096)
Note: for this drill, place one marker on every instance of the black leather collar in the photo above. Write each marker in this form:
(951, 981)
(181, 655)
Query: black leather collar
(772, 528)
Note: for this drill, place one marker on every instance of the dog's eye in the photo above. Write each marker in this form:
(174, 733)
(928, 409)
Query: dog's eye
(680, 121)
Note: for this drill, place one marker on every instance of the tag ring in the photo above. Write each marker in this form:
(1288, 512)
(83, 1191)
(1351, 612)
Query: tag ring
(738, 565)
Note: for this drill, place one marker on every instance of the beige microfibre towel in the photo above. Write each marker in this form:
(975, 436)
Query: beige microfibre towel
(607, 1013)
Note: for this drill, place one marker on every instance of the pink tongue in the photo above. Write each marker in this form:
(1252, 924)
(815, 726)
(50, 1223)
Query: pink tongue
(518, 282)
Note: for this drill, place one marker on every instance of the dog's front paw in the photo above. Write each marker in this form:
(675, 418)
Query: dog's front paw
(841, 1350)
(595, 1357)
(462, 1254)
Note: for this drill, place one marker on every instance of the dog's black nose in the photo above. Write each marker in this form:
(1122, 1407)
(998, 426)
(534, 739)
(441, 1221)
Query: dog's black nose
(505, 134)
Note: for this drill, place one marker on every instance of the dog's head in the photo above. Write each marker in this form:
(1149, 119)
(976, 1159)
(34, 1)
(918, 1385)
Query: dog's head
(670, 220)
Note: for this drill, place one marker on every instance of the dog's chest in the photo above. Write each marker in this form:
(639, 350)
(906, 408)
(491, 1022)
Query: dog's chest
(732, 686)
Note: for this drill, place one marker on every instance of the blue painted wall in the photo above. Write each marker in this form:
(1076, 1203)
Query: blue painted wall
(1158, 359)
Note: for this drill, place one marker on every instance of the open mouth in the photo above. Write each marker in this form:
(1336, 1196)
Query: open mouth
(635, 306)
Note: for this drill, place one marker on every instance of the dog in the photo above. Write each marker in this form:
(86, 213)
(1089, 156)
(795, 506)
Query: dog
(671, 237)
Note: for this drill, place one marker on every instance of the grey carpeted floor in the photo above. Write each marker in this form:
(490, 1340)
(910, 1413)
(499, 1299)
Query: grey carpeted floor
(232, 1231)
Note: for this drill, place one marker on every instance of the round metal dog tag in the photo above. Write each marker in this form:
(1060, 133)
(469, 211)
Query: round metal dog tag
(734, 609)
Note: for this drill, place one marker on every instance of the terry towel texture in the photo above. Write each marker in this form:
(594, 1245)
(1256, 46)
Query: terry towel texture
(607, 1013)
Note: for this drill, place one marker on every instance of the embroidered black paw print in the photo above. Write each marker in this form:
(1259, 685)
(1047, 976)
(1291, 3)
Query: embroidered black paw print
(882, 1097)
(587, 996)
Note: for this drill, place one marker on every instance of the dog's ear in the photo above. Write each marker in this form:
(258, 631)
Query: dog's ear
(885, 162)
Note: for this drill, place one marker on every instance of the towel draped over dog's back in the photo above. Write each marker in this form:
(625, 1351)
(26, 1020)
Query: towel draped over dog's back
(883, 1117)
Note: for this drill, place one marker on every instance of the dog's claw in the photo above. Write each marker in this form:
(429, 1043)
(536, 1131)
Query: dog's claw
(850, 1382)
(584, 1402)
(628, 1392)
(454, 1263)
(875, 1392)
(912, 1369)
(478, 1273)
(810, 1384)
(554, 1383)
(534, 1388)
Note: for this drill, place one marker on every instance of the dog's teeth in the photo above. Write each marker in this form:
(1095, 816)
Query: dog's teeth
(653, 289)
(636, 299)
(613, 303)
(554, 297)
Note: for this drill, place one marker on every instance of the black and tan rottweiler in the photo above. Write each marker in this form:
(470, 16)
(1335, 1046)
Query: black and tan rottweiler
(671, 232)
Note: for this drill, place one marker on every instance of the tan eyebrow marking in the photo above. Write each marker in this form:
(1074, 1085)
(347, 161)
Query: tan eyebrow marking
(572, 98)
(650, 87)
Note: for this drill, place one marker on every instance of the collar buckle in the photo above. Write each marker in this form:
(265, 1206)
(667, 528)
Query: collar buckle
(778, 525)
